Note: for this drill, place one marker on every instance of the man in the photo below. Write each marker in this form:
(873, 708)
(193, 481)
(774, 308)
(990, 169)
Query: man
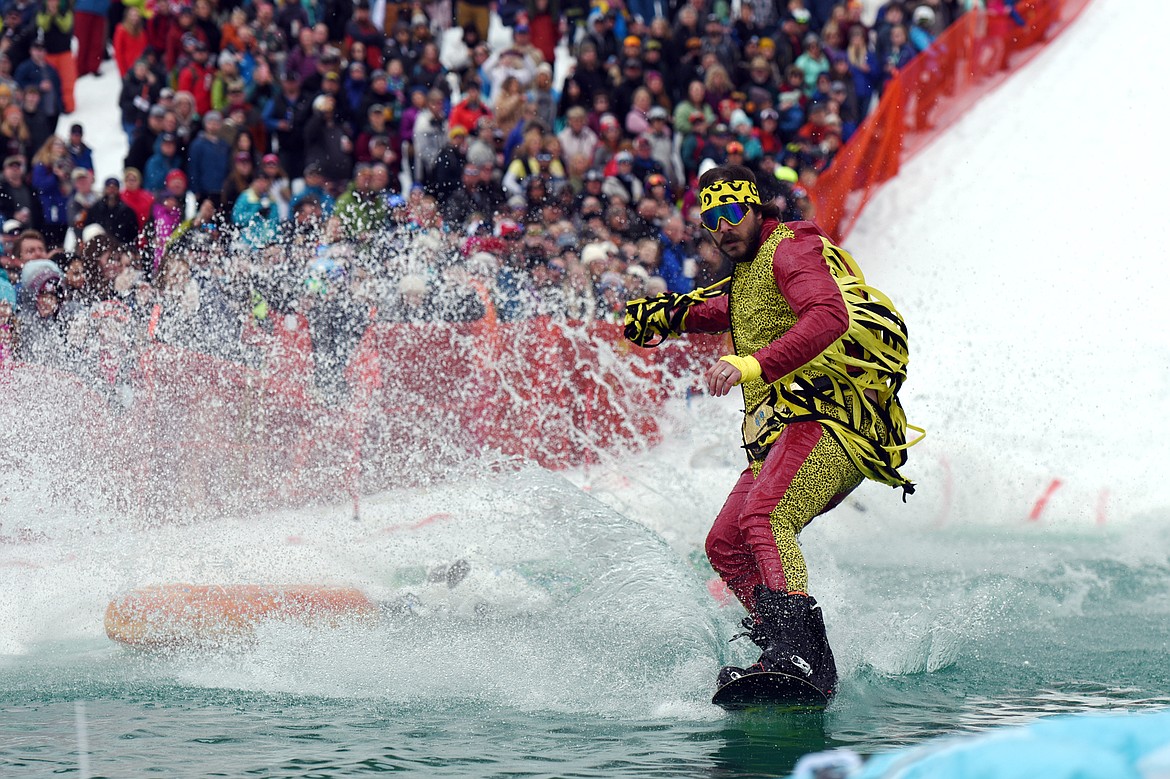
(360, 209)
(577, 139)
(36, 73)
(820, 358)
(673, 264)
(83, 198)
(256, 214)
(115, 217)
(284, 119)
(28, 245)
(430, 130)
(16, 196)
(208, 161)
(315, 187)
(448, 170)
(79, 152)
(144, 137)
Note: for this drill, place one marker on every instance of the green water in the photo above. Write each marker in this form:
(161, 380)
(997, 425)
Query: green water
(945, 631)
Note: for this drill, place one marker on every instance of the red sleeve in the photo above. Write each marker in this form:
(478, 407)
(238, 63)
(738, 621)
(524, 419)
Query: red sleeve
(821, 316)
(708, 316)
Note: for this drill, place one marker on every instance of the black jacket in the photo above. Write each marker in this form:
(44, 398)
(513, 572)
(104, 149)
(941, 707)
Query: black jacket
(119, 220)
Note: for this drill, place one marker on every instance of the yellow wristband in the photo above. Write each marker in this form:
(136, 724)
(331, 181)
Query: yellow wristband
(748, 367)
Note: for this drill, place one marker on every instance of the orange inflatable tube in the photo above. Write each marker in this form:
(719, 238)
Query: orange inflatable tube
(177, 615)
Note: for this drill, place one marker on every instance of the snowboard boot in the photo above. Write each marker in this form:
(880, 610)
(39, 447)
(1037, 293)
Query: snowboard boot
(790, 629)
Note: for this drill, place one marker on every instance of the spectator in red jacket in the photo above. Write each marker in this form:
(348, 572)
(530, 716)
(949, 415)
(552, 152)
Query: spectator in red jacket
(130, 40)
(197, 76)
(471, 109)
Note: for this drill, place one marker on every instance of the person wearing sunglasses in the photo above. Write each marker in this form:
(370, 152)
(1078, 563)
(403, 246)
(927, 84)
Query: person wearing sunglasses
(819, 357)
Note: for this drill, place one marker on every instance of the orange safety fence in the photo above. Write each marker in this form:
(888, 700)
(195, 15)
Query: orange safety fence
(968, 60)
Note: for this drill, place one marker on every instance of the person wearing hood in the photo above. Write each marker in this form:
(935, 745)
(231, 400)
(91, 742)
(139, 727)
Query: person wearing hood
(42, 328)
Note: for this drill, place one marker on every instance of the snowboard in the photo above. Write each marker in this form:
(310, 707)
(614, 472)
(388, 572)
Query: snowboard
(768, 688)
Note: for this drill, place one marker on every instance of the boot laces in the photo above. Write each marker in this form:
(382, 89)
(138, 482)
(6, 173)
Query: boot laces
(751, 631)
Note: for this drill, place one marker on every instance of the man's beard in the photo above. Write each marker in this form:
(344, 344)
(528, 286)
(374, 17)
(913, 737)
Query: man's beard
(747, 248)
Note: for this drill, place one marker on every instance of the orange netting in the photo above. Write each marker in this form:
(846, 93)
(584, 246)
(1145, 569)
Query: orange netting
(970, 59)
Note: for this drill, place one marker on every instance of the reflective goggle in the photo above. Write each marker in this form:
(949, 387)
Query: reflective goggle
(734, 213)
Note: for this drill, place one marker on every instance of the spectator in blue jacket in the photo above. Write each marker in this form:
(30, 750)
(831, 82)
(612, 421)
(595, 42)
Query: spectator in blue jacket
(672, 267)
(256, 214)
(920, 35)
(36, 73)
(79, 152)
(209, 160)
(163, 161)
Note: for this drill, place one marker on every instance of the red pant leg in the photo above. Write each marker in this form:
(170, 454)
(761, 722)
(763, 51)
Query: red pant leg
(740, 545)
(729, 555)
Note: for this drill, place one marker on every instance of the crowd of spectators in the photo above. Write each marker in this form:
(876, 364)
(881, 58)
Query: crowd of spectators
(337, 161)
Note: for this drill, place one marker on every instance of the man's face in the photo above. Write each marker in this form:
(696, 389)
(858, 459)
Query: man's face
(738, 241)
(14, 172)
(32, 249)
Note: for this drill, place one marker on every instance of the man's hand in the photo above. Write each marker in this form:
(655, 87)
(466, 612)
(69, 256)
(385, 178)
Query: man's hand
(721, 377)
(730, 371)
